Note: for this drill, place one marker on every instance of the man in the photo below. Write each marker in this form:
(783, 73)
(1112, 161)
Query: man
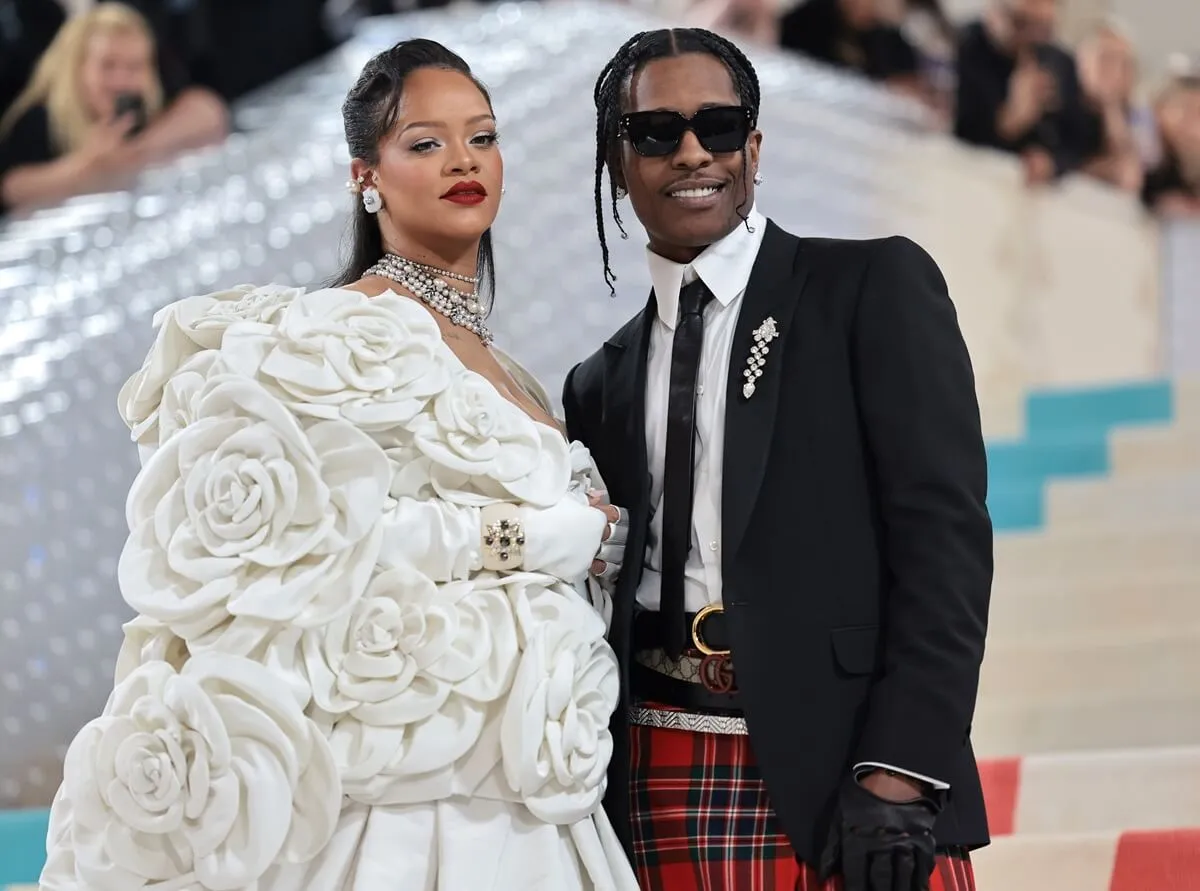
(1019, 92)
(793, 426)
(860, 35)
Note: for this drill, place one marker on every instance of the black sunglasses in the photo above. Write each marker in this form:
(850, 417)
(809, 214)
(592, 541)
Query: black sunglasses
(721, 130)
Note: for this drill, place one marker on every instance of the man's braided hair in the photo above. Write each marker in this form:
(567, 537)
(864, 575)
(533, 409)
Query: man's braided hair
(609, 95)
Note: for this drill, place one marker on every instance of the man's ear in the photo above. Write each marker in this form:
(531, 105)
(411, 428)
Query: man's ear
(753, 147)
(616, 168)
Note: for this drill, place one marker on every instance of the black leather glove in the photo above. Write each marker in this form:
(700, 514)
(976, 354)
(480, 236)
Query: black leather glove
(880, 845)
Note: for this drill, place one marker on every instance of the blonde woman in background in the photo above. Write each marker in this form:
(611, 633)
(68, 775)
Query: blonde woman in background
(1173, 187)
(1108, 74)
(96, 107)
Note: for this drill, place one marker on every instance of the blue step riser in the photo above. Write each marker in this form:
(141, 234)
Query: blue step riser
(1066, 436)
(1067, 411)
(22, 846)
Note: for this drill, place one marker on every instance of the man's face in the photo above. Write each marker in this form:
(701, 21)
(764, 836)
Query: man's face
(690, 197)
(1034, 21)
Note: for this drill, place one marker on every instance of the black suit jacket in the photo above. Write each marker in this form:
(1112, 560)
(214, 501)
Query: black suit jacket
(857, 548)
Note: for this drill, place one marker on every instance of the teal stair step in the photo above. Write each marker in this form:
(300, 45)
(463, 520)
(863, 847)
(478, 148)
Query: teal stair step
(1100, 408)
(1058, 456)
(22, 845)
(1017, 508)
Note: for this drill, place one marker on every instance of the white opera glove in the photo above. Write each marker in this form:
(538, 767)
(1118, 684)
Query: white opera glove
(561, 540)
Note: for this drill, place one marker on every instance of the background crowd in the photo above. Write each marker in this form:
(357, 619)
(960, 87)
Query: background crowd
(93, 92)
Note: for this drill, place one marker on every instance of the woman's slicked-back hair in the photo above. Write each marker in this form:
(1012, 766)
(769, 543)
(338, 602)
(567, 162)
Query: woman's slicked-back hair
(639, 50)
(370, 111)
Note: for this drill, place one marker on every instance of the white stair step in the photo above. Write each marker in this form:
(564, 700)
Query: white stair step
(1125, 503)
(1037, 611)
(1047, 863)
(1154, 451)
(1140, 789)
(1084, 556)
(1118, 663)
(1023, 725)
(1187, 404)
(1160, 860)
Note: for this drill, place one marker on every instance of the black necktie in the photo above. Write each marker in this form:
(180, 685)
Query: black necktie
(679, 463)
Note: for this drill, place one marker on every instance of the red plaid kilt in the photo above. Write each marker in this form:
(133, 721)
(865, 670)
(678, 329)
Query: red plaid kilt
(702, 821)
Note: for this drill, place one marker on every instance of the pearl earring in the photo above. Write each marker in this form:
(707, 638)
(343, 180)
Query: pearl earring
(372, 200)
(758, 178)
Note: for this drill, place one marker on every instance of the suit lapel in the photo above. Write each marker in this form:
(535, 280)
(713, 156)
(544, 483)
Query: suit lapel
(773, 292)
(625, 406)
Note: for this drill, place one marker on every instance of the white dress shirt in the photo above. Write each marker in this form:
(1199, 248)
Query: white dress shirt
(724, 267)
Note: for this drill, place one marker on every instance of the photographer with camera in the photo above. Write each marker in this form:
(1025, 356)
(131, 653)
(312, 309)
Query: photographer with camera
(97, 109)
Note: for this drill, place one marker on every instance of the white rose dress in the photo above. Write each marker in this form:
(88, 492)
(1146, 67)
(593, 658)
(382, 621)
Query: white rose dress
(322, 689)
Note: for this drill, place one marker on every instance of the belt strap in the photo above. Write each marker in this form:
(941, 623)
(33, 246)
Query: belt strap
(649, 685)
(648, 632)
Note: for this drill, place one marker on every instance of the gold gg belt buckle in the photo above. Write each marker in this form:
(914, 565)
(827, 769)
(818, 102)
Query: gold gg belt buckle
(716, 666)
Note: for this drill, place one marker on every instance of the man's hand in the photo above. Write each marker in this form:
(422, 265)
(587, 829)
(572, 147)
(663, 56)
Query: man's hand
(611, 555)
(878, 843)
(892, 786)
(1038, 165)
(1032, 91)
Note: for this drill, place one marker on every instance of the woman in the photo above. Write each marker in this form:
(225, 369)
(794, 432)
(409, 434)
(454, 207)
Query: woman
(365, 655)
(1172, 188)
(1108, 76)
(96, 107)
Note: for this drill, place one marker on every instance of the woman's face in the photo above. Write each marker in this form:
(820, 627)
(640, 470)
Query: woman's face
(1108, 68)
(440, 170)
(1180, 120)
(114, 63)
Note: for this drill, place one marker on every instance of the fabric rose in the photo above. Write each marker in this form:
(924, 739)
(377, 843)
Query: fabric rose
(483, 447)
(584, 475)
(177, 408)
(412, 472)
(374, 361)
(556, 741)
(147, 640)
(198, 779)
(185, 328)
(246, 513)
(407, 680)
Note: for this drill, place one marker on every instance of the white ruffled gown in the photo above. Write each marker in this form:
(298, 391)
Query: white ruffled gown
(322, 690)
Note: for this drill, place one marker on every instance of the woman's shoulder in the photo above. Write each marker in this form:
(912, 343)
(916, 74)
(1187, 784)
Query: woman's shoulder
(27, 140)
(333, 341)
(34, 119)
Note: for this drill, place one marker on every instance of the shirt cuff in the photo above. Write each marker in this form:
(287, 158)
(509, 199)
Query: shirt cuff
(865, 766)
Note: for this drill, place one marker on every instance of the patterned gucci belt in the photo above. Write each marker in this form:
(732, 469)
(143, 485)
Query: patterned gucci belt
(693, 693)
(707, 661)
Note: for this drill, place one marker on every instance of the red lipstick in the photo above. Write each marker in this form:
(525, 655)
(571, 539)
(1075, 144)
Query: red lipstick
(469, 193)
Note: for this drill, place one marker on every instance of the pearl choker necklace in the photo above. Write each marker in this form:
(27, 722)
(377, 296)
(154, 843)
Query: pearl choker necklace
(428, 284)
